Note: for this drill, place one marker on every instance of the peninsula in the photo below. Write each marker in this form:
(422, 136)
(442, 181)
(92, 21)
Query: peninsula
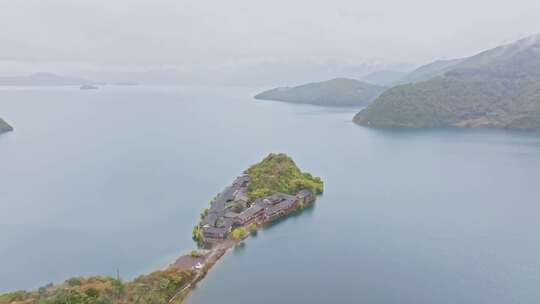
(265, 192)
(4, 126)
(337, 92)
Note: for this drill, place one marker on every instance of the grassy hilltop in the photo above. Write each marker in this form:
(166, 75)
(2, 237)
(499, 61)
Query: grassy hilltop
(279, 173)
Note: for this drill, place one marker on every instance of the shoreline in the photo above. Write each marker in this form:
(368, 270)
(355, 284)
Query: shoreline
(212, 256)
(251, 202)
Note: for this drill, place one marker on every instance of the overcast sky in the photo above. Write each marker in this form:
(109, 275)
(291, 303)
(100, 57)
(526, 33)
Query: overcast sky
(287, 37)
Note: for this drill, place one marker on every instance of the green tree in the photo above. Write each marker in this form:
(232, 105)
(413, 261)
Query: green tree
(279, 173)
(253, 228)
(197, 234)
(92, 292)
(239, 233)
(72, 282)
(118, 287)
(204, 213)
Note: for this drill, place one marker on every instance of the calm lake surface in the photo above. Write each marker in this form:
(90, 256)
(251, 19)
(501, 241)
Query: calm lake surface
(94, 181)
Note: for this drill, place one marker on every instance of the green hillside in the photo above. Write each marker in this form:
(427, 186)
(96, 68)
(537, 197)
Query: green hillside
(496, 88)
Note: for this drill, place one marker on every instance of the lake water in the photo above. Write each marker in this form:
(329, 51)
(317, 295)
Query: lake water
(95, 181)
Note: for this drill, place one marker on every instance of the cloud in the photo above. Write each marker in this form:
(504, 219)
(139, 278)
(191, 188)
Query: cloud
(200, 36)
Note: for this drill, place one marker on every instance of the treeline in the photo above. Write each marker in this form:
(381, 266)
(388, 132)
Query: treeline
(156, 288)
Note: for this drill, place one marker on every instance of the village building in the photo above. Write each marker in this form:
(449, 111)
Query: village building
(210, 219)
(250, 215)
(230, 215)
(305, 196)
(285, 205)
(220, 230)
(277, 198)
(219, 221)
(215, 233)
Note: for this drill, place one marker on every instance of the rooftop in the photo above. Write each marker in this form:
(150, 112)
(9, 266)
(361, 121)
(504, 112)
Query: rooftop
(286, 204)
(249, 212)
(214, 230)
(217, 209)
(278, 198)
(304, 193)
(230, 214)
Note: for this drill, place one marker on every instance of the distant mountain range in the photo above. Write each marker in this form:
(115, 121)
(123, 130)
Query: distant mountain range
(499, 87)
(4, 126)
(335, 92)
(45, 79)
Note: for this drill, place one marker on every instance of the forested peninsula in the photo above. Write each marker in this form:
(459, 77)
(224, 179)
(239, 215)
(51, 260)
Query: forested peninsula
(269, 190)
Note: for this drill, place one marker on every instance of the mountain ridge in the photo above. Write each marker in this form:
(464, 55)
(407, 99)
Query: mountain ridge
(499, 88)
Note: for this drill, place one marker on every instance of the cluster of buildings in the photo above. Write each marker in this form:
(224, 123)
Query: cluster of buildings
(219, 221)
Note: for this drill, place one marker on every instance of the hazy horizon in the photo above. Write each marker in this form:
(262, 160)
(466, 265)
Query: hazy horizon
(247, 42)
(194, 152)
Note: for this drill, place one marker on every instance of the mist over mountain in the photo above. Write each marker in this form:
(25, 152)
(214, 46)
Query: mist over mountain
(428, 71)
(247, 43)
(499, 87)
(384, 77)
